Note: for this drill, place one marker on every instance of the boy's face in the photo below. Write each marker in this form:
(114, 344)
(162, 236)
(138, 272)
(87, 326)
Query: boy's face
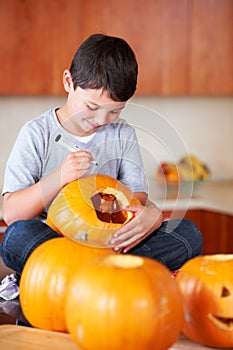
(89, 109)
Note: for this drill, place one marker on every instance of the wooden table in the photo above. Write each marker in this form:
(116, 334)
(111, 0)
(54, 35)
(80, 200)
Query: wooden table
(18, 337)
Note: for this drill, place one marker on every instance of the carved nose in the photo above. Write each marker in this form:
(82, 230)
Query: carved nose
(225, 292)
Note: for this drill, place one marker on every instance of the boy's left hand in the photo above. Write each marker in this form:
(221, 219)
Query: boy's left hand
(146, 220)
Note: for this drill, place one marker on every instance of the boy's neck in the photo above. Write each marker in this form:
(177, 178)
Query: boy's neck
(67, 122)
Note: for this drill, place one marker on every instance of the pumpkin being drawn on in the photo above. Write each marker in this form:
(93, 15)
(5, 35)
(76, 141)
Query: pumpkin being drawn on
(91, 209)
(206, 285)
(124, 302)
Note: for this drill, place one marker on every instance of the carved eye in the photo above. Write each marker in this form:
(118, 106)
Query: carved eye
(225, 292)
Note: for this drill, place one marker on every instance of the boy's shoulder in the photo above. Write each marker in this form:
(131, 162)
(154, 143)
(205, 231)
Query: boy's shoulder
(48, 117)
(45, 121)
(122, 125)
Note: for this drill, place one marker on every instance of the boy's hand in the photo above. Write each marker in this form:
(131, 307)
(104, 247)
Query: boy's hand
(147, 219)
(74, 166)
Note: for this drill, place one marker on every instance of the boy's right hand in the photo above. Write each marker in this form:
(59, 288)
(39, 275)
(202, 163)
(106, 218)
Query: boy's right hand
(75, 165)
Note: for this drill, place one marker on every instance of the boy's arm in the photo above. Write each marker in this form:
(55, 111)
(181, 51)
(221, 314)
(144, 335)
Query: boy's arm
(142, 197)
(31, 201)
(145, 201)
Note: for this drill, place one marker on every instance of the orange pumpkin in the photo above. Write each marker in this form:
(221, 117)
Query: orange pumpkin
(45, 277)
(124, 302)
(90, 209)
(206, 284)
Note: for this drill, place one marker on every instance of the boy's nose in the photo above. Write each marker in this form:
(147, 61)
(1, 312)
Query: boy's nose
(102, 118)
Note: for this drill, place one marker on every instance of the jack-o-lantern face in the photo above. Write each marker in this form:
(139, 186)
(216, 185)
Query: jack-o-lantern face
(91, 209)
(206, 284)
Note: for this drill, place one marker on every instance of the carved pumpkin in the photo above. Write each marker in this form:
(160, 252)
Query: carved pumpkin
(45, 277)
(206, 284)
(90, 209)
(124, 302)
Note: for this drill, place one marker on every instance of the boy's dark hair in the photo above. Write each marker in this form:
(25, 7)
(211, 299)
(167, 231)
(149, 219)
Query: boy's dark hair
(105, 62)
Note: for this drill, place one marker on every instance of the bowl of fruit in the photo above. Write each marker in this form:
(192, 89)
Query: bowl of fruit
(182, 178)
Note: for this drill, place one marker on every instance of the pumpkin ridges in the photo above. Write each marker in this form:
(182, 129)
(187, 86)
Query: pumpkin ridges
(45, 278)
(121, 308)
(38, 274)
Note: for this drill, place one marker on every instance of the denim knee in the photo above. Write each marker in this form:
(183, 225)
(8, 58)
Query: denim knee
(20, 239)
(173, 243)
(188, 232)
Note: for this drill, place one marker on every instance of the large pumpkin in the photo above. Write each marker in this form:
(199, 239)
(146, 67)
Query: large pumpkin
(124, 302)
(206, 284)
(91, 209)
(45, 278)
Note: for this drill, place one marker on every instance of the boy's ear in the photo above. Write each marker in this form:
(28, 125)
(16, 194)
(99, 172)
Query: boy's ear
(67, 81)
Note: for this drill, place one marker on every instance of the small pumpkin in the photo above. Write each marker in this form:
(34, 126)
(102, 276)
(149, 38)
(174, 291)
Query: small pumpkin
(206, 285)
(90, 209)
(45, 277)
(124, 302)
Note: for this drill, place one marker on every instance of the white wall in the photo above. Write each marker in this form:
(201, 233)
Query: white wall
(167, 128)
(203, 125)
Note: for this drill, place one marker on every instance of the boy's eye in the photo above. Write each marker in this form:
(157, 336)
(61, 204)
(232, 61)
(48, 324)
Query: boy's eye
(91, 108)
(115, 112)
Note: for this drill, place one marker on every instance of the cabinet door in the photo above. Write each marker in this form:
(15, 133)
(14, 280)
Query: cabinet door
(210, 48)
(156, 30)
(217, 232)
(215, 228)
(3, 227)
(37, 41)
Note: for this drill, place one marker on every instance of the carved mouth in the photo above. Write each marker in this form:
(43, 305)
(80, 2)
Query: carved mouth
(225, 323)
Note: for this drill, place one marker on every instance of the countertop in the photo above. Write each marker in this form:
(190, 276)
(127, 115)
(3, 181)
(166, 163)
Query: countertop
(214, 195)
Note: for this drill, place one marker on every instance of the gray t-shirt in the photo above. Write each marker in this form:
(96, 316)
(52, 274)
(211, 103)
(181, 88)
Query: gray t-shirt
(35, 153)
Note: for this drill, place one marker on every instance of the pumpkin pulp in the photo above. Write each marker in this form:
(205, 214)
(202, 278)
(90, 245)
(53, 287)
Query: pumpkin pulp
(108, 208)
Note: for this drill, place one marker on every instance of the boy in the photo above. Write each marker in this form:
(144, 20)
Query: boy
(101, 79)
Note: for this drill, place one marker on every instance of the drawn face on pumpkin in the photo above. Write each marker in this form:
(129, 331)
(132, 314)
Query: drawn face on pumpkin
(206, 284)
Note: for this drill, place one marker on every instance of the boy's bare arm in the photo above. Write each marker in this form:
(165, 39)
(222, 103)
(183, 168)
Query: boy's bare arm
(30, 202)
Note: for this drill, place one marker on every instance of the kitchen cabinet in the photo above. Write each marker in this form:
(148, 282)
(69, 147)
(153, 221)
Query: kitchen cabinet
(38, 39)
(210, 48)
(156, 30)
(217, 232)
(183, 47)
(215, 227)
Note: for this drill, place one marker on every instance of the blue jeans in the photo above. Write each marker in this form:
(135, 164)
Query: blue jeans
(174, 243)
